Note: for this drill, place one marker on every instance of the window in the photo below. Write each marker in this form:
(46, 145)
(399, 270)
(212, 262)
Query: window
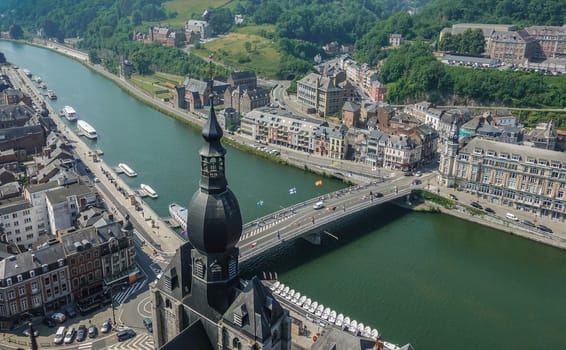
(48, 292)
(13, 308)
(34, 285)
(9, 282)
(47, 280)
(20, 278)
(24, 304)
(56, 290)
(22, 291)
(11, 295)
(54, 277)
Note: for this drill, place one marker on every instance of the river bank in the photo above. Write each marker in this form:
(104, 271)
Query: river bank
(309, 163)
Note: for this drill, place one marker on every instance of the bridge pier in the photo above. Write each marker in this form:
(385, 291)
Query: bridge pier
(313, 238)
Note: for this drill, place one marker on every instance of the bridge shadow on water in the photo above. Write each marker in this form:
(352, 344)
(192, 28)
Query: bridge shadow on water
(291, 254)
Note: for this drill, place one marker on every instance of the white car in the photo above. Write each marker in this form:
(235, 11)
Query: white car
(70, 335)
(511, 217)
(318, 205)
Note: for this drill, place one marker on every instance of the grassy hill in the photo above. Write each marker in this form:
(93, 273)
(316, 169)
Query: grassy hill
(186, 8)
(244, 49)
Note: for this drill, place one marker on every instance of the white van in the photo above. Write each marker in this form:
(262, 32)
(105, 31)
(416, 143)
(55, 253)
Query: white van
(59, 335)
(318, 205)
(511, 217)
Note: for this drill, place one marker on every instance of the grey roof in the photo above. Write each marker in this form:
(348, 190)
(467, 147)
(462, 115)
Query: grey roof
(523, 151)
(336, 339)
(60, 195)
(80, 236)
(15, 112)
(471, 59)
(8, 134)
(42, 187)
(29, 260)
(14, 205)
(261, 308)
(194, 336)
(350, 107)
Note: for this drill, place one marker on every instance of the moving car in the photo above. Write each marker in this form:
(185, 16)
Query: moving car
(418, 174)
(318, 205)
(60, 335)
(49, 322)
(489, 210)
(92, 331)
(476, 205)
(70, 335)
(544, 228)
(59, 317)
(125, 334)
(527, 223)
(106, 326)
(148, 323)
(26, 332)
(511, 217)
(81, 333)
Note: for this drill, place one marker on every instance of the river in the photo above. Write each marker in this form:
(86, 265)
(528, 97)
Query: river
(432, 280)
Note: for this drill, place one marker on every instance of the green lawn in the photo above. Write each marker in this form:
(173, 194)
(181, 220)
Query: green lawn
(231, 52)
(186, 8)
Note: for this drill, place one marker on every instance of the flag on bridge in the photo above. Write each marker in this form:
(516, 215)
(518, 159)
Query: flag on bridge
(260, 203)
(293, 190)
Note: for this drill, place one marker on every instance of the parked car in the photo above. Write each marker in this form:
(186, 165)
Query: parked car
(453, 197)
(148, 323)
(511, 217)
(59, 317)
(70, 335)
(544, 228)
(92, 331)
(407, 173)
(418, 174)
(26, 332)
(49, 322)
(476, 205)
(60, 335)
(318, 205)
(527, 223)
(70, 311)
(106, 326)
(125, 334)
(81, 333)
(489, 210)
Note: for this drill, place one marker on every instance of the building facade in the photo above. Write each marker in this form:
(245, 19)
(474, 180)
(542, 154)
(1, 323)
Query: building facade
(526, 178)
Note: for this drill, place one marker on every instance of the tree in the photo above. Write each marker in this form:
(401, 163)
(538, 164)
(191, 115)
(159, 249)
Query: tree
(50, 28)
(221, 20)
(16, 32)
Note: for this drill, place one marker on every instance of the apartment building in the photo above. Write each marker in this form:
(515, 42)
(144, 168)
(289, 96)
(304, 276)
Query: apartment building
(323, 95)
(526, 178)
(19, 224)
(33, 283)
(64, 204)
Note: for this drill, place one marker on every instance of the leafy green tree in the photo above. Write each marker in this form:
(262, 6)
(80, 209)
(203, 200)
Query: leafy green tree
(221, 20)
(136, 18)
(50, 28)
(16, 32)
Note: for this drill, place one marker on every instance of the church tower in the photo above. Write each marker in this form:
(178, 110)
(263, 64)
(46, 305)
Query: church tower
(448, 157)
(214, 224)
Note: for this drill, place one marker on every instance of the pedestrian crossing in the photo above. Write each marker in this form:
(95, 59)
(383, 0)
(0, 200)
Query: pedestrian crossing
(85, 346)
(122, 296)
(141, 341)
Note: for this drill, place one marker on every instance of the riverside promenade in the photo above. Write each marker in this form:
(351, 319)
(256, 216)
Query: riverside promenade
(152, 231)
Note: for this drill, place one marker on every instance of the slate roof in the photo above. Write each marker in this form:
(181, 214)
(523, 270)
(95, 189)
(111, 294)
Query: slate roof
(61, 194)
(257, 303)
(238, 75)
(15, 112)
(195, 335)
(524, 151)
(11, 206)
(19, 132)
(338, 340)
(350, 107)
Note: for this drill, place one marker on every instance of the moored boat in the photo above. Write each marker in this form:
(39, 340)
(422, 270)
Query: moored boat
(51, 95)
(374, 334)
(339, 320)
(87, 129)
(27, 72)
(179, 214)
(307, 304)
(127, 170)
(301, 300)
(150, 191)
(69, 113)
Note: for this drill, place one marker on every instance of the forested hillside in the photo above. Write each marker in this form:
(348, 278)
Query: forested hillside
(301, 28)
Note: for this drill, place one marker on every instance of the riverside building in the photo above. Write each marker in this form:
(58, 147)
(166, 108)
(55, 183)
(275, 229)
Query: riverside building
(526, 178)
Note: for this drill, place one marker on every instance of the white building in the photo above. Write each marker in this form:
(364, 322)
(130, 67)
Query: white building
(200, 27)
(65, 204)
(18, 222)
(36, 195)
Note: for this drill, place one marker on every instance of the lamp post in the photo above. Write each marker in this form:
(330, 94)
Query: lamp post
(32, 337)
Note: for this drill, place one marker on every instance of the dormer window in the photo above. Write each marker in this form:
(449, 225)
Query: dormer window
(516, 157)
(478, 151)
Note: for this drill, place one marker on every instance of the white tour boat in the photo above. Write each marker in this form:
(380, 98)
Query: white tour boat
(69, 113)
(127, 170)
(86, 129)
(150, 191)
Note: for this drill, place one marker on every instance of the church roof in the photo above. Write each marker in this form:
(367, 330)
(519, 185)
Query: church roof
(257, 309)
(192, 337)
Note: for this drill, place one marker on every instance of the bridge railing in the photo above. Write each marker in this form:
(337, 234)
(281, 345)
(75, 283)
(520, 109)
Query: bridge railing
(259, 222)
(300, 230)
